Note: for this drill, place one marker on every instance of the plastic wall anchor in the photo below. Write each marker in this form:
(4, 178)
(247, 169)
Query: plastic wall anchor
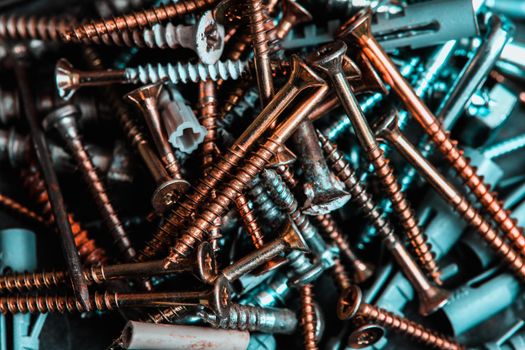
(487, 298)
(18, 254)
(182, 127)
(146, 336)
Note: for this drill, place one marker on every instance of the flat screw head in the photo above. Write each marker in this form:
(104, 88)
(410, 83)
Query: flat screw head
(209, 38)
(63, 119)
(356, 27)
(166, 194)
(140, 96)
(349, 302)
(295, 13)
(303, 76)
(293, 238)
(365, 336)
(386, 124)
(206, 263)
(329, 58)
(221, 296)
(67, 79)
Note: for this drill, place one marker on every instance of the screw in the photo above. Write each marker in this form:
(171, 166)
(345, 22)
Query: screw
(69, 79)
(293, 15)
(351, 305)
(329, 60)
(389, 130)
(365, 335)
(208, 119)
(430, 297)
(245, 210)
(340, 276)
(361, 270)
(203, 266)
(20, 209)
(95, 30)
(63, 120)
(301, 78)
(89, 252)
(261, 50)
(168, 314)
(217, 299)
(205, 38)
(254, 165)
(33, 27)
(253, 319)
(323, 193)
(308, 317)
(357, 29)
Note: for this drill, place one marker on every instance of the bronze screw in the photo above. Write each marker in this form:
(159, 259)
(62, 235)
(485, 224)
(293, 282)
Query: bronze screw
(94, 31)
(351, 305)
(361, 270)
(430, 297)
(208, 105)
(63, 120)
(329, 59)
(218, 206)
(261, 50)
(357, 29)
(308, 317)
(89, 252)
(389, 129)
(302, 78)
(33, 27)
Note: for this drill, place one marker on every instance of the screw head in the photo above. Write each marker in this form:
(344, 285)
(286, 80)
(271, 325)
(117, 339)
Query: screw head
(329, 58)
(63, 119)
(356, 27)
(293, 238)
(143, 94)
(206, 263)
(209, 38)
(67, 79)
(167, 193)
(365, 336)
(324, 201)
(221, 296)
(349, 302)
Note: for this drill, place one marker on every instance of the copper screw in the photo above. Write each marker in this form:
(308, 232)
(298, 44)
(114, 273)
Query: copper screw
(389, 129)
(208, 105)
(20, 209)
(293, 15)
(135, 137)
(302, 78)
(93, 31)
(351, 305)
(340, 276)
(261, 50)
(63, 120)
(245, 209)
(430, 297)
(361, 270)
(308, 319)
(329, 59)
(89, 252)
(242, 179)
(33, 27)
(357, 29)
(167, 315)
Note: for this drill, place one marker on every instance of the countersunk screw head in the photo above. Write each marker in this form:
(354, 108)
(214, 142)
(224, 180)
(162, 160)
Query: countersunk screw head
(221, 296)
(165, 194)
(67, 79)
(64, 120)
(206, 263)
(365, 336)
(293, 238)
(329, 58)
(357, 26)
(209, 38)
(349, 302)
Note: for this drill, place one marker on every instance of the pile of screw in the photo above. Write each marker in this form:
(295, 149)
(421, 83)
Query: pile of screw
(243, 153)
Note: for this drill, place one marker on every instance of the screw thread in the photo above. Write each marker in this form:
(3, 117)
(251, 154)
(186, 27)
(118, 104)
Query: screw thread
(219, 205)
(245, 210)
(257, 319)
(94, 31)
(418, 239)
(208, 119)
(299, 263)
(167, 315)
(475, 183)
(308, 319)
(341, 278)
(20, 209)
(287, 175)
(241, 99)
(52, 303)
(408, 328)
(237, 49)
(31, 281)
(265, 207)
(101, 198)
(90, 253)
(33, 27)
(187, 72)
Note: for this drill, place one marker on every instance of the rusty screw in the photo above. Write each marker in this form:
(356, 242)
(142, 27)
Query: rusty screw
(329, 59)
(351, 305)
(63, 120)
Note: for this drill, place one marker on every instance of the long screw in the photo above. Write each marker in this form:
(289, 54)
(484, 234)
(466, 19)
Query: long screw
(351, 305)
(245, 210)
(430, 297)
(389, 129)
(33, 27)
(252, 166)
(208, 119)
(328, 227)
(89, 252)
(18, 208)
(94, 31)
(357, 29)
(63, 120)
(308, 318)
(302, 78)
(329, 60)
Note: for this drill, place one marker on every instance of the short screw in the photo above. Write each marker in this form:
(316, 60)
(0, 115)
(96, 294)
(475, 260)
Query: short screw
(95, 30)
(357, 30)
(329, 60)
(63, 120)
(430, 297)
(351, 305)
